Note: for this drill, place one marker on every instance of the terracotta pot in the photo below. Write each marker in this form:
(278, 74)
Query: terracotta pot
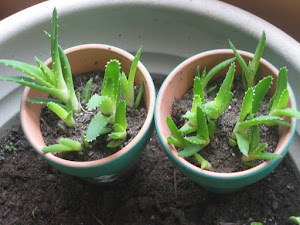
(176, 85)
(86, 58)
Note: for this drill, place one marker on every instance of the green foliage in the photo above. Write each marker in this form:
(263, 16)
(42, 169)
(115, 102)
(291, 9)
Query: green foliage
(250, 147)
(120, 126)
(64, 113)
(127, 85)
(199, 129)
(251, 103)
(295, 219)
(205, 78)
(139, 96)
(87, 91)
(247, 118)
(10, 147)
(280, 99)
(98, 126)
(250, 70)
(201, 119)
(57, 82)
(65, 145)
(215, 108)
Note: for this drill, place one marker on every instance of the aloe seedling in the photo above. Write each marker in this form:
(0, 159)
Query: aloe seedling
(65, 145)
(193, 144)
(251, 103)
(212, 109)
(295, 219)
(110, 93)
(57, 82)
(108, 102)
(127, 85)
(201, 120)
(250, 71)
(215, 108)
(206, 77)
(280, 99)
(120, 126)
(249, 144)
(251, 149)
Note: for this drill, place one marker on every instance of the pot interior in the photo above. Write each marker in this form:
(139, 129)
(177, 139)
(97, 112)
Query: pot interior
(182, 77)
(83, 59)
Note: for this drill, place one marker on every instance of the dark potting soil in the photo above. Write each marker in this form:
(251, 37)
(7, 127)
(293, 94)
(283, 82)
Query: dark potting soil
(223, 157)
(53, 128)
(33, 192)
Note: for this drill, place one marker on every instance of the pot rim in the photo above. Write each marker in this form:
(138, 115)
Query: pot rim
(134, 141)
(170, 149)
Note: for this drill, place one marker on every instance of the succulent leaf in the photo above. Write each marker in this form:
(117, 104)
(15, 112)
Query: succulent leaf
(190, 150)
(215, 70)
(98, 126)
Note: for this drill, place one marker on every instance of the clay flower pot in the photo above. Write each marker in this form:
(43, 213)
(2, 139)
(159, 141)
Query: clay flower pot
(176, 85)
(86, 58)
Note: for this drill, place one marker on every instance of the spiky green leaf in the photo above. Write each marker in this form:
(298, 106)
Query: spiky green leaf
(243, 143)
(240, 60)
(258, 54)
(215, 70)
(190, 150)
(224, 91)
(287, 112)
(280, 87)
(120, 116)
(254, 138)
(45, 101)
(259, 149)
(260, 90)
(98, 126)
(175, 132)
(243, 126)
(196, 140)
(202, 128)
(28, 69)
(198, 89)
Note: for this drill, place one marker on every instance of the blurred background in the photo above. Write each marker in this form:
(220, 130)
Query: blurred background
(283, 14)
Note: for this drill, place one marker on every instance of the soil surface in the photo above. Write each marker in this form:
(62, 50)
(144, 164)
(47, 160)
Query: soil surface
(226, 159)
(33, 192)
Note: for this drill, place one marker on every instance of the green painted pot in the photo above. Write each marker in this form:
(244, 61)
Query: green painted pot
(114, 168)
(176, 85)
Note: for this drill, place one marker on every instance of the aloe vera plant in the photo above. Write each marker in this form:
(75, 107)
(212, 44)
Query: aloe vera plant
(249, 143)
(201, 119)
(212, 109)
(113, 109)
(250, 71)
(280, 99)
(57, 82)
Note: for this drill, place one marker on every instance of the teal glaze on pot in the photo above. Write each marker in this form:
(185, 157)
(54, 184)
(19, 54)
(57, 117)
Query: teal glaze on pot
(116, 167)
(175, 86)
